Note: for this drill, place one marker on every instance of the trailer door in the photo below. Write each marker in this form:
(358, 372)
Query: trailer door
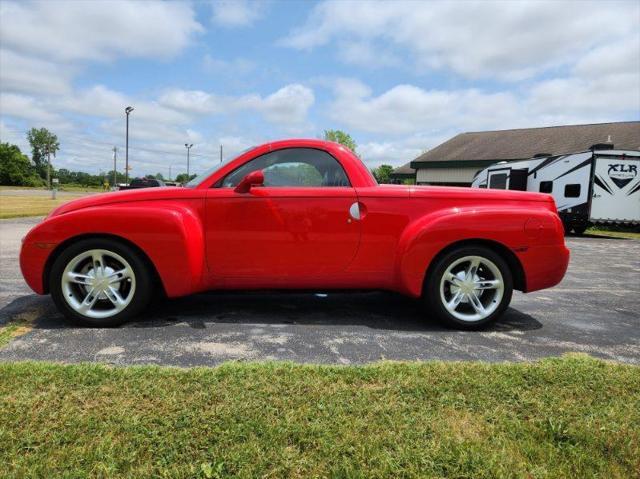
(616, 190)
(518, 179)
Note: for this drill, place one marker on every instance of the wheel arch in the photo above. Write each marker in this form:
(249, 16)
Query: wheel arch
(156, 278)
(515, 266)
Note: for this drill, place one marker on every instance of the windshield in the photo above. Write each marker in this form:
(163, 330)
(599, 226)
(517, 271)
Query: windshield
(207, 173)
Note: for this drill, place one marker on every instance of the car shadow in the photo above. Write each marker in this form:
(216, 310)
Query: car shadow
(375, 310)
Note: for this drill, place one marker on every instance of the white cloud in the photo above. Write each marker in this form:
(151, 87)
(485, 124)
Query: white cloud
(366, 55)
(19, 73)
(99, 30)
(100, 101)
(237, 66)
(288, 106)
(506, 40)
(619, 57)
(236, 13)
(192, 101)
(589, 98)
(407, 108)
(28, 108)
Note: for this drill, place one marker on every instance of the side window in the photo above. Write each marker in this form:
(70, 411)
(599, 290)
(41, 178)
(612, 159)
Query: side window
(572, 191)
(293, 167)
(546, 186)
(498, 181)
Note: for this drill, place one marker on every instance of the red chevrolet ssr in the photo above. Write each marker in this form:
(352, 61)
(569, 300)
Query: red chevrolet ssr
(296, 214)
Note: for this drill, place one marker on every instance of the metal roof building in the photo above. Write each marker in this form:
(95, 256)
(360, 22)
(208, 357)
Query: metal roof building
(456, 161)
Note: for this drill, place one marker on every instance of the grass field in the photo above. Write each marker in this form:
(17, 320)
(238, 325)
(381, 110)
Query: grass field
(78, 188)
(569, 417)
(19, 206)
(614, 233)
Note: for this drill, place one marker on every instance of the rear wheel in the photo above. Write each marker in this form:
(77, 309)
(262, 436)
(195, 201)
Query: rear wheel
(469, 287)
(579, 230)
(100, 282)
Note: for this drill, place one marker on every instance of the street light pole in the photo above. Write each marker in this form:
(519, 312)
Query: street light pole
(127, 110)
(48, 166)
(115, 175)
(188, 147)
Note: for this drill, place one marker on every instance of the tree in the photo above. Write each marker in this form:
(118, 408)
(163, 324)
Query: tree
(341, 137)
(184, 178)
(159, 176)
(383, 173)
(42, 141)
(15, 168)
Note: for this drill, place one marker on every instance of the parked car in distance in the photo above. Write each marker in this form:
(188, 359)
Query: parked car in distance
(142, 183)
(296, 214)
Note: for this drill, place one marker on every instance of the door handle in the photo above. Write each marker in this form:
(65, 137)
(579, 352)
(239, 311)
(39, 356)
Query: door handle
(354, 211)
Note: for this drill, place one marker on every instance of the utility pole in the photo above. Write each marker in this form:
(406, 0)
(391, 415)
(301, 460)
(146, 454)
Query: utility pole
(127, 110)
(220, 152)
(188, 147)
(115, 175)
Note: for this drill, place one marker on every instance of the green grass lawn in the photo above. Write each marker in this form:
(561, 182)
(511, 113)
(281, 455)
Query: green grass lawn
(568, 417)
(627, 233)
(69, 187)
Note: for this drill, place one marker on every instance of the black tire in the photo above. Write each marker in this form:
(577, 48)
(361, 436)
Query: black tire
(143, 278)
(579, 230)
(432, 297)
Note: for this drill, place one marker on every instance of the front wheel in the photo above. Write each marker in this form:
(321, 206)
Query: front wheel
(100, 282)
(469, 287)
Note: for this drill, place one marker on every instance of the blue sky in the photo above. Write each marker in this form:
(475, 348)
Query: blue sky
(400, 77)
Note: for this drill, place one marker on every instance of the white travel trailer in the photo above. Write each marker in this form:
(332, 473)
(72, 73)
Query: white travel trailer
(599, 186)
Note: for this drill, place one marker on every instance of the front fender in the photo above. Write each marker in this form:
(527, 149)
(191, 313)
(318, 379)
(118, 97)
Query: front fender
(424, 238)
(171, 235)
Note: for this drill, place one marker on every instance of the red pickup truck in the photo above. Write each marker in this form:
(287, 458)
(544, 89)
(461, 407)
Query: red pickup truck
(296, 214)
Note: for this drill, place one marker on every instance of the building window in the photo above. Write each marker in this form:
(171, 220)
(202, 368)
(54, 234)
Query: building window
(572, 191)
(546, 186)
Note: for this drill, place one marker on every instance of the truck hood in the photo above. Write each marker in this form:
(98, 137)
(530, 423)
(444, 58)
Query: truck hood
(127, 196)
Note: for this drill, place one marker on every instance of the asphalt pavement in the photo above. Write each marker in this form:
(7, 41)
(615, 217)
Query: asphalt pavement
(595, 310)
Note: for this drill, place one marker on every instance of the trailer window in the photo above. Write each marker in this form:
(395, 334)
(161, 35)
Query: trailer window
(572, 191)
(546, 186)
(498, 181)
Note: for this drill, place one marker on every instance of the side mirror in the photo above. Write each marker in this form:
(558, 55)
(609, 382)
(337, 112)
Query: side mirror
(255, 178)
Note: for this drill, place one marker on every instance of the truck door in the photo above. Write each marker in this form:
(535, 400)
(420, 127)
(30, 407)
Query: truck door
(298, 226)
(616, 190)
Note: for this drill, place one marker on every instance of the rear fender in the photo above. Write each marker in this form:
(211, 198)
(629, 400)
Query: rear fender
(426, 237)
(170, 235)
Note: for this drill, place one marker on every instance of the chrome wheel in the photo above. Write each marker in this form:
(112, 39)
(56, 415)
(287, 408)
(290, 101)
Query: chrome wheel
(98, 283)
(471, 288)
